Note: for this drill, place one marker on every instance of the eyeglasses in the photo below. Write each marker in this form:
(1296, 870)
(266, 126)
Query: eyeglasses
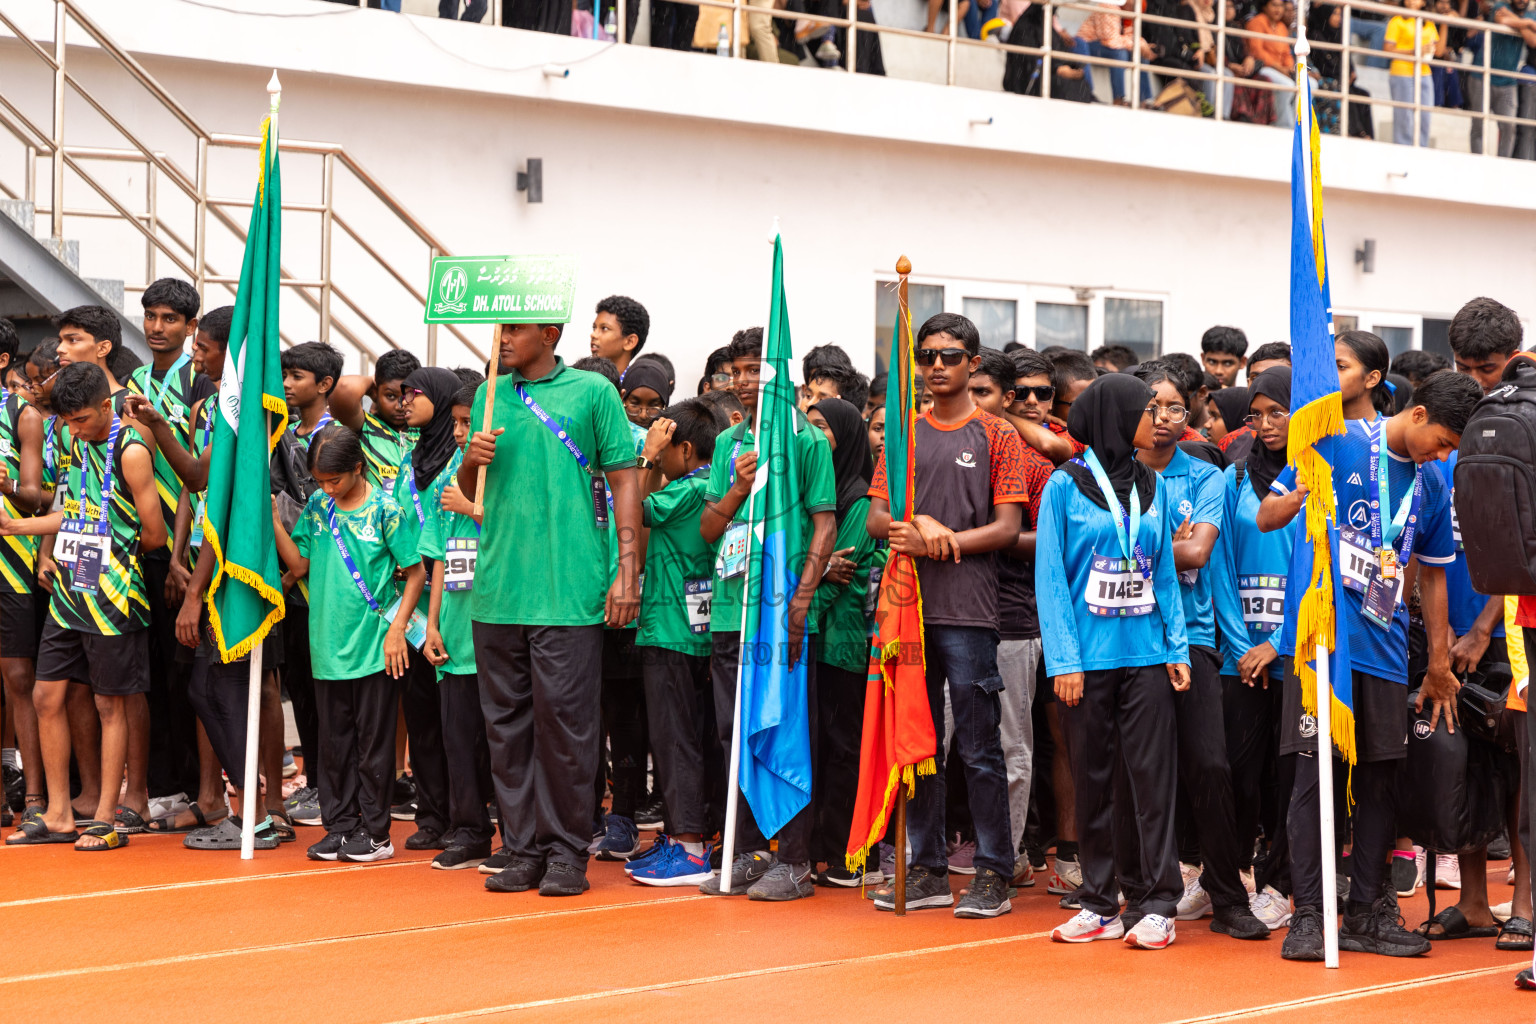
(1042, 394)
(35, 388)
(639, 404)
(951, 356)
(720, 380)
(1273, 416)
(1172, 413)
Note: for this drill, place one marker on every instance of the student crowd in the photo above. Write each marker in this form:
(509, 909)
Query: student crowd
(549, 600)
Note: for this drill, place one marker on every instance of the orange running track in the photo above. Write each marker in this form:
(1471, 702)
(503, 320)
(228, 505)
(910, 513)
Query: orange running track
(157, 933)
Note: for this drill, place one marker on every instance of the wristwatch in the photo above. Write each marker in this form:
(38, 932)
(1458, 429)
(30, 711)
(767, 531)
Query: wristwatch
(643, 462)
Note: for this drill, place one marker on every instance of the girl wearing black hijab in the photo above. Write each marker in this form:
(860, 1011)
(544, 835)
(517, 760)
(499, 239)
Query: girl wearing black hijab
(1252, 669)
(1114, 641)
(843, 608)
(1233, 436)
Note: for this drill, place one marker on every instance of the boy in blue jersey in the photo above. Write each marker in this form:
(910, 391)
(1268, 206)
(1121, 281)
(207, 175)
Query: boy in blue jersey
(1390, 511)
(1196, 494)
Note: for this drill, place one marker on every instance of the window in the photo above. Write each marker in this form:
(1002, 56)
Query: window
(1060, 323)
(1398, 339)
(995, 319)
(1135, 323)
(924, 299)
(1345, 323)
(1437, 337)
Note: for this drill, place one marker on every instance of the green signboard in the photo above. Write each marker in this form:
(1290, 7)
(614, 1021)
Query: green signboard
(501, 290)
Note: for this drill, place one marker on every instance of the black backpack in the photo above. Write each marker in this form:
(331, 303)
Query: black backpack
(1496, 485)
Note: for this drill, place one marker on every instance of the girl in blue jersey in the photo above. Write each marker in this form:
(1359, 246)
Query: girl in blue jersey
(1104, 540)
(1362, 359)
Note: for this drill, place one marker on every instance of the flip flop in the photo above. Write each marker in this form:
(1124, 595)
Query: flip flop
(1453, 925)
(225, 835)
(34, 833)
(1517, 926)
(101, 830)
(167, 825)
(130, 822)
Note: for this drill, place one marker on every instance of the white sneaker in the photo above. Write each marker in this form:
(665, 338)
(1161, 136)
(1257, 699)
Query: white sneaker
(1419, 861)
(1188, 871)
(168, 806)
(1068, 877)
(1271, 908)
(1247, 876)
(1087, 926)
(1447, 871)
(1152, 932)
(1195, 903)
(1503, 911)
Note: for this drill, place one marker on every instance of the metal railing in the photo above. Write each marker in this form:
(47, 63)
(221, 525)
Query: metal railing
(175, 227)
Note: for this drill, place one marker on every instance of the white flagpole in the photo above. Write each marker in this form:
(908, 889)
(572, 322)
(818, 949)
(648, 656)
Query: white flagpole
(253, 700)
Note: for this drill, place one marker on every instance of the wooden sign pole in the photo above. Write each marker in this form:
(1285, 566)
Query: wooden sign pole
(492, 373)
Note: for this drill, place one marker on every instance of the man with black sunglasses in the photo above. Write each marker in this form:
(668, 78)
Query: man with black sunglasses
(1033, 394)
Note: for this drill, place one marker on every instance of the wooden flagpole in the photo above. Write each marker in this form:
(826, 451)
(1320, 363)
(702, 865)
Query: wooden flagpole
(903, 313)
(492, 368)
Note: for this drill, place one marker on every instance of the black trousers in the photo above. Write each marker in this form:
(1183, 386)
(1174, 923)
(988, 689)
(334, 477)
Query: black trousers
(1374, 785)
(840, 715)
(357, 735)
(468, 759)
(424, 730)
(624, 723)
(299, 682)
(539, 690)
(1262, 780)
(1125, 715)
(795, 837)
(1207, 779)
(219, 694)
(672, 24)
(173, 766)
(676, 686)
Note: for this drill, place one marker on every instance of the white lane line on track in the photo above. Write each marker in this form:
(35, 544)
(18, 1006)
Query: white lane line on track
(167, 886)
(1365, 992)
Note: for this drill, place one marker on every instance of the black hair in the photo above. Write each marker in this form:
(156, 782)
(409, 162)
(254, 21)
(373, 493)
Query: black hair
(998, 367)
(1229, 341)
(396, 364)
(838, 373)
(316, 357)
(632, 317)
(469, 376)
(746, 344)
(97, 321)
(1069, 366)
(823, 356)
(466, 395)
(45, 354)
(1154, 371)
(79, 386)
(600, 365)
(10, 341)
(1416, 364)
(1015, 346)
(724, 402)
(1052, 351)
(856, 391)
(1121, 357)
(1483, 328)
(1271, 350)
(1402, 392)
(1027, 363)
(697, 423)
(879, 385)
(1209, 382)
(661, 361)
(335, 449)
(1373, 355)
(1448, 398)
(216, 323)
(956, 326)
(718, 358)
(179, 295)
(1189, 368)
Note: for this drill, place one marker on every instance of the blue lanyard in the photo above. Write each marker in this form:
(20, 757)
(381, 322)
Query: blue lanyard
(50, 432)
(325, 418)
(1407, 514)
(1128, 528)
(106, 473)
(554, 428)
(158, 401)
(346, 556)
(702, 469)
(410, 479)
(735, 451)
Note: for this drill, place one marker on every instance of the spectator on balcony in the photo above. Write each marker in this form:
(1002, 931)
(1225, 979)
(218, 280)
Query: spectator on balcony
(1419, 39)
(1021, 73)
(1325, 26)
(1447, 81)
(1276, 62)
(672, 24)
(473, 10)
(1107, 34)
(1234, 57)
(1504, 55)
(1525, 89)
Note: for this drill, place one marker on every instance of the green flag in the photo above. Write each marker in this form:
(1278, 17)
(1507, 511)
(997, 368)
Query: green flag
(245, 595)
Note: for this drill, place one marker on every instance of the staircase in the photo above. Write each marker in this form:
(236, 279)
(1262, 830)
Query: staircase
(142, 214)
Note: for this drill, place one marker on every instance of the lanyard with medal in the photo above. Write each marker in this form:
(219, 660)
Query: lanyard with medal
(732, 560)
(1383, 588)
(158, 400)
(416, 627)
(601, 501)
(196, 539)
(410, 480)
(325, 420)
(84, 542)
(1113, 588)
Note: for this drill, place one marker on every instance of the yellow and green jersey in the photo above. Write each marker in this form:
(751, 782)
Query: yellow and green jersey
(119, 604)
(18, 555)
(384, 448)
(173, 393)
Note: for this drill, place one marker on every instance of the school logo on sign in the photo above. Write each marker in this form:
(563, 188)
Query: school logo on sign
(451, 289)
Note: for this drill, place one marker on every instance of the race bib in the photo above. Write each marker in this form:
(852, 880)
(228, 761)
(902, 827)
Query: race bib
(1379, 597)
(733, 550)
(1116, 589)
(1263, 600)
(415, 627)
(696, 595)
(59, 498)
(196, 538)
(5, 447)
(459, 563)
(1456, 524)
(82, 548)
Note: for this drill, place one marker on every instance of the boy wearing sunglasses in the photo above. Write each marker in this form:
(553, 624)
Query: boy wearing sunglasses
(969, 493)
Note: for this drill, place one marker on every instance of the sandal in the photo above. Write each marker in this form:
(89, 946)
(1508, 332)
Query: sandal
(167, 825)
(130, 822)
(1519, 927)
(1453, 925)
(33, 832)
(282, 825)
(225, 835)
(108, 834)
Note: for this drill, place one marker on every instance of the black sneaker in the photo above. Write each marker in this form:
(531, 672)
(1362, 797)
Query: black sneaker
(1304, 940)
(517, 876)
(1404, 876)
(1130, 917)
(1380, 930)
(1071, 902)
(456, 858)
(783, 883)
(496, 861)
(987, 896)
(1499, 848)
(925, 889)
(1524, 980)
(562, 879)
(1238, 922)
(327, 848)
(650, 815)
(402, 805)
(745, 871)
(425, 839)
(362, 848)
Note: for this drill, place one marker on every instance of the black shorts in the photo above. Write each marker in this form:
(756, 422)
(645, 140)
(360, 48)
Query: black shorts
(113, 666)
(1381, 718)
(20, 624)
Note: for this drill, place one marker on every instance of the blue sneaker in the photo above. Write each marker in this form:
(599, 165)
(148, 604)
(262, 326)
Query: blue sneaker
(674, 866)
(620, 839)
(656, 848)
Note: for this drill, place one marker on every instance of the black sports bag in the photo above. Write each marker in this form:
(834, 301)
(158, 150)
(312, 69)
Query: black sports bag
(1496, 485)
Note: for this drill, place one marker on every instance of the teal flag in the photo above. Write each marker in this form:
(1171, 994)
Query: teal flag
(775, 769)
(245, 594)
